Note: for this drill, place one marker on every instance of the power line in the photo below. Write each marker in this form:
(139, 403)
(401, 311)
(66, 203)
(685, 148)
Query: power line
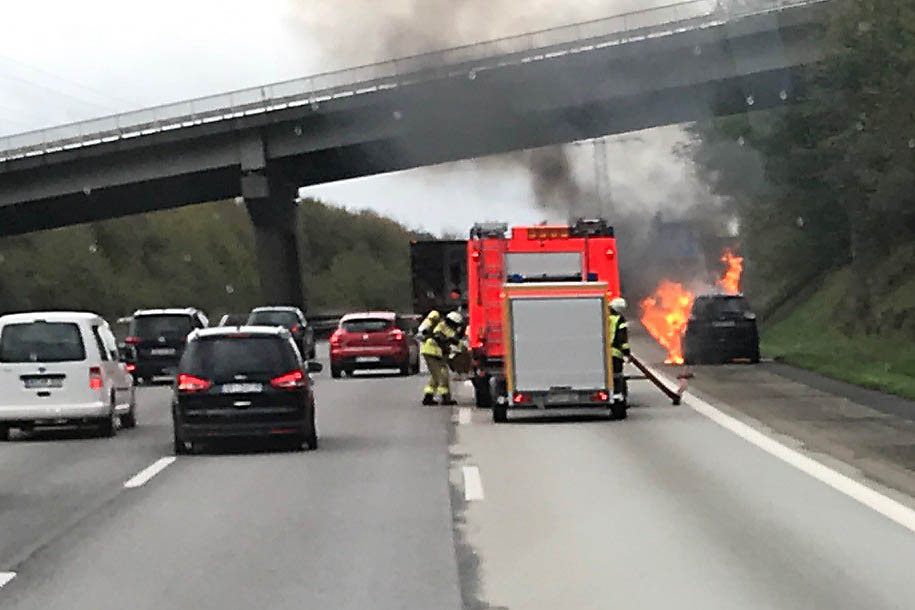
(70, 81)
(58, 92)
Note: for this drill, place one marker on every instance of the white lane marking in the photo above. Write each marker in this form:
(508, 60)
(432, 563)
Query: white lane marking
(473, 484)
(142, 477)
(886, 506)
(465, 416)
(6, 577)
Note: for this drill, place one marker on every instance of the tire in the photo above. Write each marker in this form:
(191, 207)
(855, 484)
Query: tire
(619, 412)
(406, 368)
(129, 419)
(4, 433)
(108, 425)
(311, 439)
(499, 413)
(335, 372)
(415, 367)
(482, 392)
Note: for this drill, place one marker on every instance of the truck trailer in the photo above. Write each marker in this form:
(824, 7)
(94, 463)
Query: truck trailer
(558, 357)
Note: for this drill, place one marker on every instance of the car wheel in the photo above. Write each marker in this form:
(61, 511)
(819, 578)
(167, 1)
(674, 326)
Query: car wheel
(181, 447)
(108, 425)
(312, 439)
(4, 433)
(482, 392)
(129, 419)
(499, 413)
(335, 372)
(619, 412)
(406, 368)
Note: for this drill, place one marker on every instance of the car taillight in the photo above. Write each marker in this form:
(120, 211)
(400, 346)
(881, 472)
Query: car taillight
(601, 396)
(289, 381)
(132, 340)
(131, 367)
(295, 328)
(519, 398)
(397, 335)
(335, 338)
(95, 378)
(189, 383)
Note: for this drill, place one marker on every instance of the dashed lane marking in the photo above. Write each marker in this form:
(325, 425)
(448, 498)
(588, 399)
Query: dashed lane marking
(473, 484)
(465, 416)
(6, 577)
(142, 477)
(886, 506)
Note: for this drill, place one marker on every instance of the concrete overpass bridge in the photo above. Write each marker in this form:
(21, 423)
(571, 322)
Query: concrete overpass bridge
(660, 66)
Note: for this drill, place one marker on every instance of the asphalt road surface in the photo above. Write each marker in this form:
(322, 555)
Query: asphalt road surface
(433, 508)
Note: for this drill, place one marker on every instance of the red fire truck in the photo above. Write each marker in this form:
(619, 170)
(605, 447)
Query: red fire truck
(584, 251)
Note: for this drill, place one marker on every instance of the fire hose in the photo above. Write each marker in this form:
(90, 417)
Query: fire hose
(647, 374)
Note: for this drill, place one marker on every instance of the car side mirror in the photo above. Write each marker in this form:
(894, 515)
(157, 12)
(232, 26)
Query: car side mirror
(315, 367)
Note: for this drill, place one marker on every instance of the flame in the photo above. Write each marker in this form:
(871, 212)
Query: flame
(665, 314)
(730, 281)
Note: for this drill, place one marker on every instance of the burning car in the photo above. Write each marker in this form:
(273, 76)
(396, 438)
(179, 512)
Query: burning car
(721, 328)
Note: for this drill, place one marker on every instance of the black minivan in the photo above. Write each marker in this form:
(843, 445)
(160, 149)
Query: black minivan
(721, 328)
(156, 338)
(243, 382)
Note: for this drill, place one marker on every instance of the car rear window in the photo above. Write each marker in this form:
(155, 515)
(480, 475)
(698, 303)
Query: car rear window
(41, 342)
(366, 325)
(731, 306)
(273, 318)
(221, 357)
(154, 326)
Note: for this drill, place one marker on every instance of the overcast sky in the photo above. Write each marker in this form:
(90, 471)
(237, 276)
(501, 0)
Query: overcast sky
(62, 61)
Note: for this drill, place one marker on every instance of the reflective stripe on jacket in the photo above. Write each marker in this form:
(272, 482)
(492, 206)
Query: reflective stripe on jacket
(619, 335)
(443, 338)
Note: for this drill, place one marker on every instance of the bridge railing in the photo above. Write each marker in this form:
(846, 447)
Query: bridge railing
(312, 90)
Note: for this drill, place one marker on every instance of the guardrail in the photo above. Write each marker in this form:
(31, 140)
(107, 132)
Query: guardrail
(467, 59)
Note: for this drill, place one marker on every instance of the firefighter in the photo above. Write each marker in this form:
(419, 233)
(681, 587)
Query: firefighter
(619, 343)
(435, 350)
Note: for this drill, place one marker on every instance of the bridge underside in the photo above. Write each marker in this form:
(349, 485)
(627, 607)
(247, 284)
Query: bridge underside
(686, 77)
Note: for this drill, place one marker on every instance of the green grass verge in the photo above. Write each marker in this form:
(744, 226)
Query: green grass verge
(808, 338)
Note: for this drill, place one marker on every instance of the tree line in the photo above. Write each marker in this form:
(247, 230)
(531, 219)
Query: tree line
(829, 181)
(203, 256)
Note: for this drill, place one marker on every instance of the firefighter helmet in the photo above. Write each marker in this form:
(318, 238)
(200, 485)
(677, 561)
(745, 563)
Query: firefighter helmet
(455, 318)
(618, 304)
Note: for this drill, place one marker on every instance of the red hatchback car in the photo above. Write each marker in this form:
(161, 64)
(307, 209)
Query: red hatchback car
(373, 340)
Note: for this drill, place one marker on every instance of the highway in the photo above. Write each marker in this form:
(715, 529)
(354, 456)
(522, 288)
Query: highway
(436, 508)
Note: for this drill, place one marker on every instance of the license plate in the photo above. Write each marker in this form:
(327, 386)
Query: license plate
(563, 397)
(724, 324)
(163, 351)
(39, 383)
(368, 359)
(242, 388)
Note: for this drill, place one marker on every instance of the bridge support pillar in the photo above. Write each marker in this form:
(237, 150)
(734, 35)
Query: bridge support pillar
(274, 214)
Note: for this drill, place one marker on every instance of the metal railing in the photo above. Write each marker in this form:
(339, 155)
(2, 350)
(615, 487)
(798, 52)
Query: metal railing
(464, 60)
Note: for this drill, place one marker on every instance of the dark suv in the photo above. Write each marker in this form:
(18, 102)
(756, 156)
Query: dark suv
(290, 318)
(156, 338)
(243, 382)
(721, 328)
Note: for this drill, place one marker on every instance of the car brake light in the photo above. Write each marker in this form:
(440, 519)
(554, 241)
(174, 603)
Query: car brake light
(519, 398)
(397, 335)
(289, 381)
(95, 378)
(131, 367)
(335, 338)
(132, 340)
(295, 328)
(189, 383)
(601, 396)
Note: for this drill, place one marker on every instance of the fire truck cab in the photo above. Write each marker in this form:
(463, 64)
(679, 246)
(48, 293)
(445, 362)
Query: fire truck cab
(584, 251)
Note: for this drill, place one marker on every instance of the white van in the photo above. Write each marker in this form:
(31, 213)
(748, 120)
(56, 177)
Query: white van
(62, 369)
